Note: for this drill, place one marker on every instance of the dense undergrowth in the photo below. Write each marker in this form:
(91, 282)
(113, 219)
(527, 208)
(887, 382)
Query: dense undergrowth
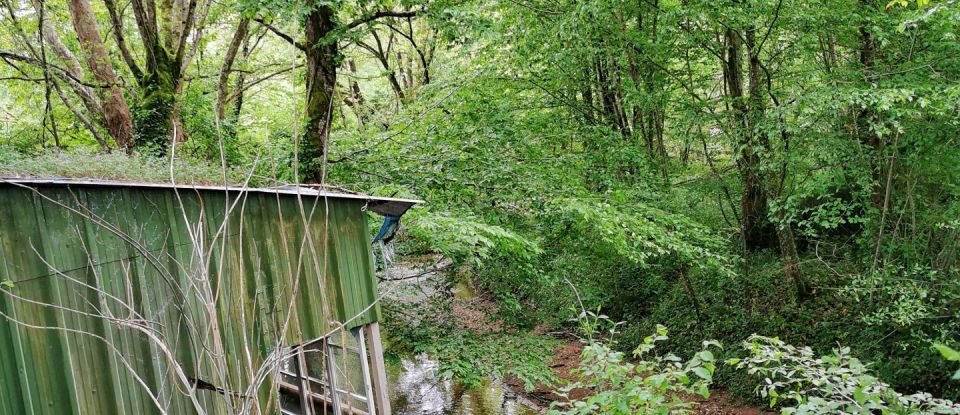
(649, 253)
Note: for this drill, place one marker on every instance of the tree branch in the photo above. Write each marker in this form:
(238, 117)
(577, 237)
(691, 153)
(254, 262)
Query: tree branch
(236, 93)
(117, 30)
(381, 14)
(147, 26)
(280, 34)
(413, 42)
(21, 78)
(199, 25)
(239, 36)
(90, 126)
(59, 70)
(776, 15)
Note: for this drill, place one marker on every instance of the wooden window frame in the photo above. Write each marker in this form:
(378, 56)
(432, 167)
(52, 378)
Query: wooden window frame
(373, 372)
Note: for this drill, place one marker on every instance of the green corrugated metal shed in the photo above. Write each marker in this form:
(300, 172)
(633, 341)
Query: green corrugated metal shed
(108, 288)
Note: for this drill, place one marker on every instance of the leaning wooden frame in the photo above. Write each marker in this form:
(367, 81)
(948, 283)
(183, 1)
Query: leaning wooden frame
(147, 298)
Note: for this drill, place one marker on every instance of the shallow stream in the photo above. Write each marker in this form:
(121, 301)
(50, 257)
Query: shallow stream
(418, 389)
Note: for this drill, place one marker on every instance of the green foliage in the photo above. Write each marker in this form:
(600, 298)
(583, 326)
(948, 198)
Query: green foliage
(470, 357)
(905, 3)
(594, 142)
(838, 383)
(642, 234)
(209, 140)
(949, 354)
(899, 297)
(467, 240)
(647, 384)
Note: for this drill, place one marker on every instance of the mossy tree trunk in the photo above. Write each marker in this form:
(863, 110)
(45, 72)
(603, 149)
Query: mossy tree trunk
(170, 32)
(155, 107)
(322, 60)
(321, 34)
(756, 230)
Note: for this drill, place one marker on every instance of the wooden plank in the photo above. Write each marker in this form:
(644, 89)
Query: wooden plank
(378, 371)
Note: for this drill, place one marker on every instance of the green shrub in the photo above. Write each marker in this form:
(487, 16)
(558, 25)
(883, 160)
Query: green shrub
(834, 384)
(950, 355)
(652, 384)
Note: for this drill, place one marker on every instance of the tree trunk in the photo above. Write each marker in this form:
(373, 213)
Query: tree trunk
(694, 300)
(587, 94)
(607, 95)
(356, 100)
(155, 106)
(163, 28)
(757, 231)
(406, 69)
(644, 71)
(866, 116)
(239, 36)
(790, 259)
(240, 82)
(321, 81)
(116, 113)
(828, 52)
(623, 121)
(75, 70)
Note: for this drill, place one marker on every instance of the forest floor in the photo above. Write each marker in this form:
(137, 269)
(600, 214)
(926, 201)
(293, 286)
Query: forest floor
(474, 313)
(477, 312)
(566, 359)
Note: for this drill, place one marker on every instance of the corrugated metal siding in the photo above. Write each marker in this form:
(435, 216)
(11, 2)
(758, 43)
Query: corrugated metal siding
(146, 250)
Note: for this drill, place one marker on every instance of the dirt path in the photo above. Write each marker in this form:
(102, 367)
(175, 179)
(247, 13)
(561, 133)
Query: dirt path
(566, 359)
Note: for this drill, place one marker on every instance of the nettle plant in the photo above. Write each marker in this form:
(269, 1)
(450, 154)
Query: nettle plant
(834, 384)
(649, 384)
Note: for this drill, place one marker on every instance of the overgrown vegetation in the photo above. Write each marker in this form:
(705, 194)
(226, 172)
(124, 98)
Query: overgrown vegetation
(121, 167)
(785, 168)
(832, 384)
(646, 384)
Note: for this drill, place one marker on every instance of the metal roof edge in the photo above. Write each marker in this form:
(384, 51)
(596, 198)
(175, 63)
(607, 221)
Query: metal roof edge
(284, 190)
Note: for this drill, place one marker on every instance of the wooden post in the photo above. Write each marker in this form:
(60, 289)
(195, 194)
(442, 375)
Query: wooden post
(378, 372)
(365, 368)
(306, 403)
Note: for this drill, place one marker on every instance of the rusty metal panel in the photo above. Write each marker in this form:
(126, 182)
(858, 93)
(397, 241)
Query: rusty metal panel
(113, 295)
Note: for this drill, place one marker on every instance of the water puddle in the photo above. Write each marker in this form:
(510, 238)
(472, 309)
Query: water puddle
(418, 389)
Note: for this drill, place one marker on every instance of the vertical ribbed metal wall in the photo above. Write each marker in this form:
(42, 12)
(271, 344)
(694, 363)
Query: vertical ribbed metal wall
(81, 265)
